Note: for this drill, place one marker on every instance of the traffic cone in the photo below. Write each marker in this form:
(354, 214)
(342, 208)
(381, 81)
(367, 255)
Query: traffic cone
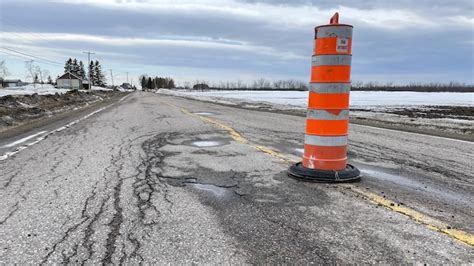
(327, 121)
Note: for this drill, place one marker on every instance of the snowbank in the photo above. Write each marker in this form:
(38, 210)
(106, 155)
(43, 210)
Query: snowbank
(30, 89)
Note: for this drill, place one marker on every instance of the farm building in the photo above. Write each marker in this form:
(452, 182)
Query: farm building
(5, 83)
(71, 81)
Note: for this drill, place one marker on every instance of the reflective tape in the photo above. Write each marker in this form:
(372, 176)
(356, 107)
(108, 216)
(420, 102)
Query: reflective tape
(325, 141)
(332, 60)
(334, 31)
(330, 87)
(325, 115)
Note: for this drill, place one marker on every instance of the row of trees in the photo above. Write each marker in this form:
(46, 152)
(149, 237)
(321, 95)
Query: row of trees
(295, 85)
(259, 84)
(95, 69)
(420, 87)
(149, 83)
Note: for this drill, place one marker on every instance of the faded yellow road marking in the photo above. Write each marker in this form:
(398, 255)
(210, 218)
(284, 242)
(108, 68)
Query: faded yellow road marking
(237, 137)
(429, 222)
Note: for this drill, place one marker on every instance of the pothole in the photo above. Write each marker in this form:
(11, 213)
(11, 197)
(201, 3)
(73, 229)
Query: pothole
(299, 151)
(203, 113)
(214, 190)
(207, 143)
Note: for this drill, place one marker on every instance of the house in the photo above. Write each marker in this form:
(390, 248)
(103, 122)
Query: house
(5, 83)
(71, 82)
(126, 86)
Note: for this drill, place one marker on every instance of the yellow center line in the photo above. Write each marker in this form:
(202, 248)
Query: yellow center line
(429, 222)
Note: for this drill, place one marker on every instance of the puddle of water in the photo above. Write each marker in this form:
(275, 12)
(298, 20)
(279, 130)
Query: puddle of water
(206, 143)
(300, 151)
(203, 113)
(215, 190)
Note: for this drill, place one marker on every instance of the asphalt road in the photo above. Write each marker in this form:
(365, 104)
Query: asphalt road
(144, 180)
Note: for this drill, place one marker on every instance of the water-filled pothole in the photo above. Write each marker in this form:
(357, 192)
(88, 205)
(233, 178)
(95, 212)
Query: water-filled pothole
(203, 113)
(207, 143)
(299, 151)
(214, 190)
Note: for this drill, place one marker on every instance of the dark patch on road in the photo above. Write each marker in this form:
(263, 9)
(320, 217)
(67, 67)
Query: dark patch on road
(267, 219)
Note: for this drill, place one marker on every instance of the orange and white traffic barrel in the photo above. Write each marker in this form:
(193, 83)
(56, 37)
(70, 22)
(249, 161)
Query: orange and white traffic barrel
(327, 121)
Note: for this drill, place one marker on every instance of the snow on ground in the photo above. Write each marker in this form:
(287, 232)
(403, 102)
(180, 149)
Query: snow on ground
(357, 98)
(30, 89)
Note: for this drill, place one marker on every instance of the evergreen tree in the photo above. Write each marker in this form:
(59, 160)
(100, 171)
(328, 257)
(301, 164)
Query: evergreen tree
(50, 80)
(81, 71)
(92, 74)
(171, 84)
(36, 79)
(75, 67)
(143, 82)
(68, 65)
(99, 75)
(149, 84)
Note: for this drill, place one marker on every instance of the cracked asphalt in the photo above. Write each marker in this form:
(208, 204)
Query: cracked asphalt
(144, 182)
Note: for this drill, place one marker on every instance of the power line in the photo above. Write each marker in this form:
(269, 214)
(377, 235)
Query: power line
(26, 57)
(33, 56)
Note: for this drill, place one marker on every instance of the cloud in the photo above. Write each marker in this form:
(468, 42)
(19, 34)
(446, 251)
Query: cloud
(269, 38)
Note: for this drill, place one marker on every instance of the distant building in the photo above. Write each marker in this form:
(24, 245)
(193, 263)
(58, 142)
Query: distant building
(5, 83)
(126, 86)
(71, 82)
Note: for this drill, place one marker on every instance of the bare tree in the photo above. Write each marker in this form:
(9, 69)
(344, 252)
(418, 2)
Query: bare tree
(3, 69)
(30, 67)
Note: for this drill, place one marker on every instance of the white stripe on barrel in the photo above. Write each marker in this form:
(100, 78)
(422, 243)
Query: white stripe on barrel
(334, 31)
(332, 60)
(320, 114)
(330, 87)
(325, 141)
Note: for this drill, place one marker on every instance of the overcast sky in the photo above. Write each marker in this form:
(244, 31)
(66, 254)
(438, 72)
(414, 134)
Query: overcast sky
(394, 41)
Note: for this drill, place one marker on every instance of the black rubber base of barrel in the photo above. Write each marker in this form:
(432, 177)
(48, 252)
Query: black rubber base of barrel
(298, 171)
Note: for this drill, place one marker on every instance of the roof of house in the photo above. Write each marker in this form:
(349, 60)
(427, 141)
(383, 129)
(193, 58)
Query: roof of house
(69, 75)
(11, 80)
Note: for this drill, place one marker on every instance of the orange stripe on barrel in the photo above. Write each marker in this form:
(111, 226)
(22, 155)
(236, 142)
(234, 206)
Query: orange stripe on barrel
(328, 100)
(325, 157)
(331, 73)
(324, 46)
(327, 127)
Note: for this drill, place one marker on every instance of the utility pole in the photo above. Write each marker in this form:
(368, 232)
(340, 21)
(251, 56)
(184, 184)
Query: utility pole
(88, 65)
(112, 77)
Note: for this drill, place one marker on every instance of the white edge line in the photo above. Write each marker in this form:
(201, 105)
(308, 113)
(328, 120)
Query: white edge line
(20, 148)
(22, 140)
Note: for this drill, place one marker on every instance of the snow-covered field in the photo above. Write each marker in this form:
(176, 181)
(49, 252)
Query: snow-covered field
(357, 98)
(30, 89)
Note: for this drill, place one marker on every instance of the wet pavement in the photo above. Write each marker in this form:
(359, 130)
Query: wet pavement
(144, 182)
